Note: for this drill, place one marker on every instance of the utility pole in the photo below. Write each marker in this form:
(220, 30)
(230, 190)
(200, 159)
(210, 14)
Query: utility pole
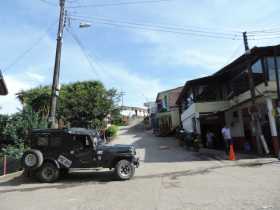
(256, 126)
(277, 119)
(55, 84)
(122, 93)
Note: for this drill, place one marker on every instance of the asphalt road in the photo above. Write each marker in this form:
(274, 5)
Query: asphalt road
(169, 178)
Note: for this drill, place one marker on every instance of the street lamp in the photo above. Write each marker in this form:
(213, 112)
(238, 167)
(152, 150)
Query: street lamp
(85, 25)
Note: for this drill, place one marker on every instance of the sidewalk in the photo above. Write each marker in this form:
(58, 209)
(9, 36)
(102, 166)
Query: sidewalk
(220, 155)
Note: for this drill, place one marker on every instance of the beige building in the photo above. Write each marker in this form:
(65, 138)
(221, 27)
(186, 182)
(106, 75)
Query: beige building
(167, 117)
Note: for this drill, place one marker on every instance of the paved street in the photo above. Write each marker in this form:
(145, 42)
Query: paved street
(169, 178)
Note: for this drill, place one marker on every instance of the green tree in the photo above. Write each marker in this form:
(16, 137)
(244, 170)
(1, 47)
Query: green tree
(38, 99)
(82, 104)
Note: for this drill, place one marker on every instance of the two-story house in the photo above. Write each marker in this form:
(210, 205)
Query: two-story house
(167, 116)
(224, 98)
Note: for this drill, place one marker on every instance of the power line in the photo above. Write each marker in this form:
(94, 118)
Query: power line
(234, 53)
(172, 27)
(119, 3)
(161, 29)
(29, 49)
(83, 50)
(49, 3)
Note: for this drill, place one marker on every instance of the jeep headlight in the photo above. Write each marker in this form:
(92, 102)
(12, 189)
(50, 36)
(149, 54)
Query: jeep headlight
(132, 150)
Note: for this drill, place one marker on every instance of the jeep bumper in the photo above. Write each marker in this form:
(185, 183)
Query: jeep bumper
(136, 162)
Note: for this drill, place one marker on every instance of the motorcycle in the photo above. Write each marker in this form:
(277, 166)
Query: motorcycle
(191, 140)
(196, 143)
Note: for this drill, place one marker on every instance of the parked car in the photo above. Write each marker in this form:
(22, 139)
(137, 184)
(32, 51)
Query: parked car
(54, 151)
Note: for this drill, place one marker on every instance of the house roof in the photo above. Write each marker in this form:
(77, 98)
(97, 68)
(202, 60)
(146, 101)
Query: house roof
(3, 87)
(253, 54)
(167, 91)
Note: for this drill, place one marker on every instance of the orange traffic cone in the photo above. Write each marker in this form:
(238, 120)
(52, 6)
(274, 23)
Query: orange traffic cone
(231, 152)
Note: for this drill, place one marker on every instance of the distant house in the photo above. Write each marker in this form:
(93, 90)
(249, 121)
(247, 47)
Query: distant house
(129, 111)
(224, 98)
(3, 87)
(167, 116)
(152, 110)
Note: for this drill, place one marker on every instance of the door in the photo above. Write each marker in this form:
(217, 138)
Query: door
(82, 151)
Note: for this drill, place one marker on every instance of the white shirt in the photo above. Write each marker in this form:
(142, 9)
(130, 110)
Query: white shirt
(226, 133)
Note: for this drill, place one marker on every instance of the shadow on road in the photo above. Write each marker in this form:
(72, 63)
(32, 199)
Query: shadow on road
(166, 149)
(74, 179)
(77, 179)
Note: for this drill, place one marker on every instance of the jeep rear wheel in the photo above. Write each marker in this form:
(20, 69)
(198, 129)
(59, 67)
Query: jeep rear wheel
(48, 172)
(124, 170)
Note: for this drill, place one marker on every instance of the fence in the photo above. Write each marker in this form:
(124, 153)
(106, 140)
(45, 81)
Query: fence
(9, 165)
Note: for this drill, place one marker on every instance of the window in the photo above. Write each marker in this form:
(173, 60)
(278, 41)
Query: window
(207, 92)
(165, 102)
(257, 67)
(257, 72)
(82, 141)
(271, 67)
(42, 140)
(56, 141)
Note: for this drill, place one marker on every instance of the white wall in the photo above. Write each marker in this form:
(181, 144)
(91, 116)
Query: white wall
(127, 113)
(131, 112)
(187, 118)
(188, 124)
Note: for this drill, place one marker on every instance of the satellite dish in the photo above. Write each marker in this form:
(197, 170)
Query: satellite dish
(85, 25)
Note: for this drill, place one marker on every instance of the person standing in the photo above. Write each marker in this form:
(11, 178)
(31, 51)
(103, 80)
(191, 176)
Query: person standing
(227, 137)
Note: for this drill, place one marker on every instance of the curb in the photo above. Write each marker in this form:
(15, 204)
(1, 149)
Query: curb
(10, 174)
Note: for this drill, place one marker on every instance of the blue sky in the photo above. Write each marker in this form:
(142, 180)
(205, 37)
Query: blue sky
(138, 62)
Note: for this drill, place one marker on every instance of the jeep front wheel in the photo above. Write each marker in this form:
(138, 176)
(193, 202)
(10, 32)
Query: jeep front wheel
(48, 172)
(124, 170)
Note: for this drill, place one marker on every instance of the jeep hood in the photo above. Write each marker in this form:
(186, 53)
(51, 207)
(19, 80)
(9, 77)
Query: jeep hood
(118, 148)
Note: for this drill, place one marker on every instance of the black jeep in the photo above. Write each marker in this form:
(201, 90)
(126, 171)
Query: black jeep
(54, 151)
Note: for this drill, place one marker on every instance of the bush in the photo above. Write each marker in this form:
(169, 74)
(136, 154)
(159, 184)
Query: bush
(14, 131)
(14, 151)
(112, 131)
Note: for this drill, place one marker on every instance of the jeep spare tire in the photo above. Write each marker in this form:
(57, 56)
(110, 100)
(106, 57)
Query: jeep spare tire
(124, 170)
(32, 159)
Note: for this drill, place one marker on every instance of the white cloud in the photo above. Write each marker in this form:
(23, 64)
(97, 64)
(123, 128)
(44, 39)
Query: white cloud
(138, 88)
(35, 76)
(9, 104)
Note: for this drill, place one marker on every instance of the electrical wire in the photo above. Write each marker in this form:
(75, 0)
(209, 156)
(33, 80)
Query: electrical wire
(173, 27)
(29, 49)
(160, 29)
(234, 53)
(84, 51)
(49, 3)
(119, 3)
